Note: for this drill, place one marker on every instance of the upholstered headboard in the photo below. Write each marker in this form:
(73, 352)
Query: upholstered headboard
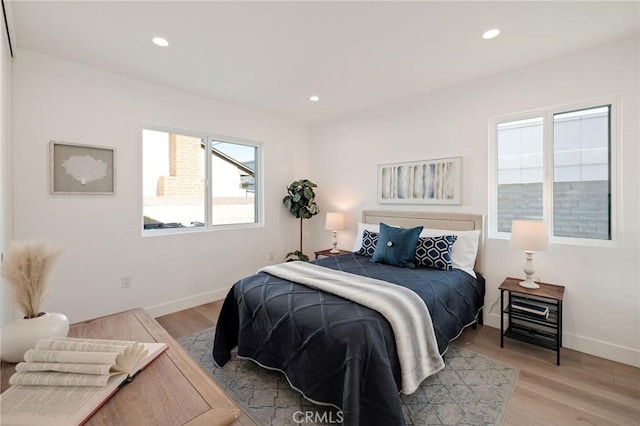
(452, 221)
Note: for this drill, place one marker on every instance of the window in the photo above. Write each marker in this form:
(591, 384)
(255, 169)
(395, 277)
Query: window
(520, 174)
(193, 181)
(581, 174)
(556, 165)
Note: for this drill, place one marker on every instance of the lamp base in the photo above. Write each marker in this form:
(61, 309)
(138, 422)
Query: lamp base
(334, 249)
(528, 284)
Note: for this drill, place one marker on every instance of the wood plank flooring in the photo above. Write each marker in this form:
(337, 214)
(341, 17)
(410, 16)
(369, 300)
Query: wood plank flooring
(584, 389)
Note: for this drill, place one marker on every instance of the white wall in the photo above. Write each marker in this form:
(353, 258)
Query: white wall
(602, 299)
(101, 235)
(6, 307)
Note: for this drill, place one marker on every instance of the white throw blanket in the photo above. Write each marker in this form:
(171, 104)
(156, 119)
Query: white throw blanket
(404, 309)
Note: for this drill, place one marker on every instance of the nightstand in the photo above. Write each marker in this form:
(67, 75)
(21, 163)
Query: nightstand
(534, 315)
(327, 253)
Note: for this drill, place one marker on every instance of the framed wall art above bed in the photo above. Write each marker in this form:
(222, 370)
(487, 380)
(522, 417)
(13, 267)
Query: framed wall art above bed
(436, 181)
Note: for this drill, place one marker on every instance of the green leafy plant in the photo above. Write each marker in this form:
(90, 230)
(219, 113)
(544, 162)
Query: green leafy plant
(300, 201)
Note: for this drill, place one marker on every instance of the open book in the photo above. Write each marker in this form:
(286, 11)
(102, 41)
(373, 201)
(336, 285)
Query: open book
(64, 381)
(81, 362)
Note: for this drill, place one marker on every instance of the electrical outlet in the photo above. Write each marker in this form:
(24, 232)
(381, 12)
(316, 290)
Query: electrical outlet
(270, 256)
(125, 281)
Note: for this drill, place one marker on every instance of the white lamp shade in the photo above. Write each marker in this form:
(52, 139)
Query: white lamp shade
(334, 222)
(529, 235)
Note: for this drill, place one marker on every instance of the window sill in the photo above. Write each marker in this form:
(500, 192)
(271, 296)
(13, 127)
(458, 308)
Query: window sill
(198, 229)
(566, 241)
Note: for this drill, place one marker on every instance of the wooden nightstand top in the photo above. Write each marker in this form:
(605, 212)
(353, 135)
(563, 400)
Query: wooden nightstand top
(551, 291)
(327, 252)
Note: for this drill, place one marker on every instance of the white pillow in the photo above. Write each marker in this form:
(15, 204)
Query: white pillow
(464, 250)
(361, 228)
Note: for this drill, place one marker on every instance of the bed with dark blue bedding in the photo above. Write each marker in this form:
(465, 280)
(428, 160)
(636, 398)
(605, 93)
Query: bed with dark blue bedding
(334, 351)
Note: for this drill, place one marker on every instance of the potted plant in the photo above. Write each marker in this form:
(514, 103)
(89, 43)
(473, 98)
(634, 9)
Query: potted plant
(300, 201)
(26, 268)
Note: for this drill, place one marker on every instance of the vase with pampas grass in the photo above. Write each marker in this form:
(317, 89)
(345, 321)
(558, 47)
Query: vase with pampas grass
(26, 269)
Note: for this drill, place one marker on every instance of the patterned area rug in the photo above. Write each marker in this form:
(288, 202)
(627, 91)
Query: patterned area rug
(472, 390)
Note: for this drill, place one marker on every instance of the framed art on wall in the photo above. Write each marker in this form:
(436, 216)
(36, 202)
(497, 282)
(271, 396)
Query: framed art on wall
(437, 181)
(82, 169)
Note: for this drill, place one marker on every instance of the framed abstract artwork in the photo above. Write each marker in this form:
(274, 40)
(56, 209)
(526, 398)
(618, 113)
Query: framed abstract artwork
(82, 169)
(436, 181)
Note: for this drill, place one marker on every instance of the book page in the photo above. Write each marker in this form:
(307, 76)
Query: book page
(53, 405)
(101, 369)
(95, 341)
(53, 378)
(151, 352)
(83, 345)
(128, 353)
(35, 355)
(128, 360)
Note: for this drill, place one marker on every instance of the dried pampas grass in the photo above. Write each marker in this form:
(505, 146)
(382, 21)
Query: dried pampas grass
(26, 267)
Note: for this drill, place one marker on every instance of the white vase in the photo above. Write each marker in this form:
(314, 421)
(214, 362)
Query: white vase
(22, 334)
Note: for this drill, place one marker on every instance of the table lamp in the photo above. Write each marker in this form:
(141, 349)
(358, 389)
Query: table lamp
(334, 223)
(530, 236)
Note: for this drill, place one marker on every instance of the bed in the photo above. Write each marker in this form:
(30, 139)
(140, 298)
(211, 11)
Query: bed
(354, 354)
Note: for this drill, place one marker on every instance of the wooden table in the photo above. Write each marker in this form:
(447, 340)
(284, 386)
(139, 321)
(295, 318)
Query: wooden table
(327, 253)
(172, 390)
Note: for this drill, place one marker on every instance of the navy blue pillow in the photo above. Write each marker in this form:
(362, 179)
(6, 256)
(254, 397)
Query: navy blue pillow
(435, 252)
(369, 241)
(397, 246)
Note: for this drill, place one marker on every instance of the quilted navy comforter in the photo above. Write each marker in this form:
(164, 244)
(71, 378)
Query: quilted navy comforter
(333, 350)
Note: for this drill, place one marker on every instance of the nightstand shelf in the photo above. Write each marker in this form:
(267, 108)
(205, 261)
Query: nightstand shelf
(537, 329)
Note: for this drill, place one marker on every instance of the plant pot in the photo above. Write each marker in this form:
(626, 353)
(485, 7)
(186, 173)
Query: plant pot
(22, 334)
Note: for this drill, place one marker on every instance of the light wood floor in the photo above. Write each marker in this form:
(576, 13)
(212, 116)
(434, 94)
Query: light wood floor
(583, 390)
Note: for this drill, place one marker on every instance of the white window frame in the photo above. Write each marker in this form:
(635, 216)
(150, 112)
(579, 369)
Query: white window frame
(615, 180)
(208, 137)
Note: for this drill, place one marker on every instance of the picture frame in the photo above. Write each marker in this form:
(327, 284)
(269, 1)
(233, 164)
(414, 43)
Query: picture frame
(437, 181)
(82, 169)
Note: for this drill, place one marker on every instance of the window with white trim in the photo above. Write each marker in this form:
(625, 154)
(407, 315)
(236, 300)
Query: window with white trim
(193, 181)
(557, 165)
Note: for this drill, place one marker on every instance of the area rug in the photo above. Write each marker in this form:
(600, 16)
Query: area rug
(471, 390)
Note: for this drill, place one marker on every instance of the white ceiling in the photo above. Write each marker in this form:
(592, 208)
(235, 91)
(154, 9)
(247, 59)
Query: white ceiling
(271, 56)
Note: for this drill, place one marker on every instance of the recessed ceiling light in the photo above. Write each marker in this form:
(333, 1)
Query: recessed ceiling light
(493, 33)
(159, 41)
(314, 98)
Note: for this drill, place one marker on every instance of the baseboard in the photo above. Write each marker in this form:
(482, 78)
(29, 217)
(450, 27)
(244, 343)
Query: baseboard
(586, 345)
(186, 302)
(602, 349)
(492, 319)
